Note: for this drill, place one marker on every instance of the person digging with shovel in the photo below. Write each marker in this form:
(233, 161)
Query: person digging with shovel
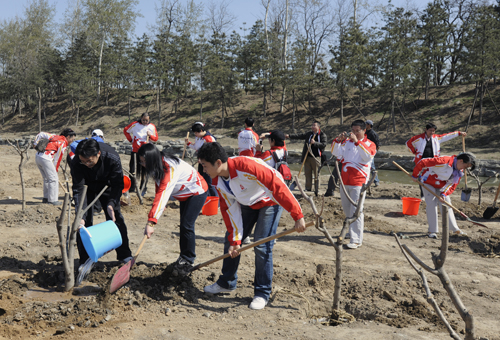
(250, 193)
(442, 175)
(175, 179)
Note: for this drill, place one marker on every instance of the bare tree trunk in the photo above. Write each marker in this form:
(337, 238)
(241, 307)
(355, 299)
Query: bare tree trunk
(39, 110)
(129, 106)
(99, 73)
(24, 158)
(293, 110)
(77, 114)
(264, 102)
(341, 110)
(285, 64)
(481, 104)
(393, 116)
(201, 106)
(159, 106)
(3, 114)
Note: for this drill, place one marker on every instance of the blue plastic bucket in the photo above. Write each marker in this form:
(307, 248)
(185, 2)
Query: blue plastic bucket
(100, 239)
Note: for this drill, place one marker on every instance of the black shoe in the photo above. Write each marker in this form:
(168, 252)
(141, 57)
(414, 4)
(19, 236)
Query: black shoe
(183, 266)
(328, 194)
(45, 200)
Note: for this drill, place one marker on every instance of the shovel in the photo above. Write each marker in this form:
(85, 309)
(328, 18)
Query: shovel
(490, 211)
(248, 246)
(185, 145)
(294, 184)
(122, 276)
(465, 192)
(439, 198)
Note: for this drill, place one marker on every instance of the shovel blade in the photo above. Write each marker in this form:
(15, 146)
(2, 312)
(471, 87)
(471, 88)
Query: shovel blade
(121, 277)
(465, 195)
(292, 186)
(489, 212)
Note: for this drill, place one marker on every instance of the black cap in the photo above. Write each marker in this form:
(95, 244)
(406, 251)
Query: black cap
(277, 135)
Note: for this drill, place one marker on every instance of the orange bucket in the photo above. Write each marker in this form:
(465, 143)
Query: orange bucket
(126, 184)
(211, 206)
(411, 205)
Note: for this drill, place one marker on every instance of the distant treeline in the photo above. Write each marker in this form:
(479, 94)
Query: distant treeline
(299, 46)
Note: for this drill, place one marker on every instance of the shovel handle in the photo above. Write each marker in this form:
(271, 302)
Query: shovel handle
(141, 245)
(185, 145)
(249, 246)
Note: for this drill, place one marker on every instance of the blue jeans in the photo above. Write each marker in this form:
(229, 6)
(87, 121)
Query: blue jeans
(190, 209)
(266, 222)
(373, 169)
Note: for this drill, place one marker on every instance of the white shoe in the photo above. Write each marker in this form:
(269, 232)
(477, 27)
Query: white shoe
(246, 240)
(433, 235)
(258, 303)
(216, 289)
(353, 245)
(459, 232)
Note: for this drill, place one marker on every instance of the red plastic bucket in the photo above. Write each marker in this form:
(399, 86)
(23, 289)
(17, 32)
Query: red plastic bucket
(411, 205)
(211, 206)
(126, 184)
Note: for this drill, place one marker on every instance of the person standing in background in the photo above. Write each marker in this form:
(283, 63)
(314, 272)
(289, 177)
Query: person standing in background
(138, 133)
(247, 139)
(373, 136)
(49, 160)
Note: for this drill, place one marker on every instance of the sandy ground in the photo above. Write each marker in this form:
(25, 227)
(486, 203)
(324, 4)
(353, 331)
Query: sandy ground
(379, 288)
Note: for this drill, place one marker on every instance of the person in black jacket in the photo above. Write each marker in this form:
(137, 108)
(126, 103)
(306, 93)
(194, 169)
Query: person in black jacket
(372, 135)
(317, 140)
(97, 165)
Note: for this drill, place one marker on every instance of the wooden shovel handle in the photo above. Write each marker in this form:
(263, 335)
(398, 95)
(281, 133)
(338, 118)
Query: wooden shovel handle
(305, 157)
(141, 245)
(429, 190)
(249, 246)
(185, 145)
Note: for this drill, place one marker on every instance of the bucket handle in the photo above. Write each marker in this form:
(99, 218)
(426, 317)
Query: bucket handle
(208, 201)
(87, 231)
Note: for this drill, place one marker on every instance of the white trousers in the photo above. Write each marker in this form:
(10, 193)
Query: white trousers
(49, 174)
(432, 209)
(356, 227)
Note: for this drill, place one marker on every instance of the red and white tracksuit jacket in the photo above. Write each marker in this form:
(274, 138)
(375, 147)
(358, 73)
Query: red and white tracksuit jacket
(198, 142)
(267, 156)
(416, 144)
(54, 150)
(247, 139)
(137, 134)
(181, 181)
(255, 184)
(438, 173)
(356, 159)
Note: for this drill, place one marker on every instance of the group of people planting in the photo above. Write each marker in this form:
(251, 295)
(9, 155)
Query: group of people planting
(252, 190)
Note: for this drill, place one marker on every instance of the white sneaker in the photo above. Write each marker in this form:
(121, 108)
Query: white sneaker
(258, 303)
(460, 232)
(246, 240)
(433, 235)
(353, 245)
(216, 289)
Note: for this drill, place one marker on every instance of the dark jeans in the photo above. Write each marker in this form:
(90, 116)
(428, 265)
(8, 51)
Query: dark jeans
(208, 179)
(139, 173)
(266, 222)
(123, 251)
(190, 209)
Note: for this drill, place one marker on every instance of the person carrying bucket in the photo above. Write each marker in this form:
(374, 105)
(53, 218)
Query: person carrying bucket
(175, 178)
(442, 175)
(355, 151)
(139, 133)
(251, 193)
(97, 165)
(202, 136)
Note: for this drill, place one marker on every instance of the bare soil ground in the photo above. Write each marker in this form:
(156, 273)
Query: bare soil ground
(379, 289)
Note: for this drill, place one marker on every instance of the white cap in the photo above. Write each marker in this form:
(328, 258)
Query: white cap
(97, 132)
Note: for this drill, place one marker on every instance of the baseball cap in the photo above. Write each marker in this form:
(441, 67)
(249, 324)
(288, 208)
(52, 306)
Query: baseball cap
(97, 132)
(277, 135)
(369, 122)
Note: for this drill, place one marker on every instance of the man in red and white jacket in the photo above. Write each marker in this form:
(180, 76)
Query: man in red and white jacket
(48, 162)
(441, 175)
(250, 193)
(138, 133)
(427, 144)
(355, 151)
(247, 139)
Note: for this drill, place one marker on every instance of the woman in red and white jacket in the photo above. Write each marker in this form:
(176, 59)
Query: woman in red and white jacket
(355, 151)
(441, 175)
(48, 162)
(176, 179)
(138, 133)
(247, 139)
(202, 136)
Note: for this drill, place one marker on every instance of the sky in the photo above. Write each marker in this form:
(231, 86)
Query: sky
(248, 11)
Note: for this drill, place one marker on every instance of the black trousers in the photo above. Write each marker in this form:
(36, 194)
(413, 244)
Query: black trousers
(334, 178)
(123, 251)
(139, 172)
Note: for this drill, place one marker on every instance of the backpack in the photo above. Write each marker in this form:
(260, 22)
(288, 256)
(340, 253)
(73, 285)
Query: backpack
(282, 166)
(42, 144)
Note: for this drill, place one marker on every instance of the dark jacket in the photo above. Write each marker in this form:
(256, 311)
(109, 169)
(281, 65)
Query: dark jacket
(317, 148)
(107, 171)
(372, 135)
